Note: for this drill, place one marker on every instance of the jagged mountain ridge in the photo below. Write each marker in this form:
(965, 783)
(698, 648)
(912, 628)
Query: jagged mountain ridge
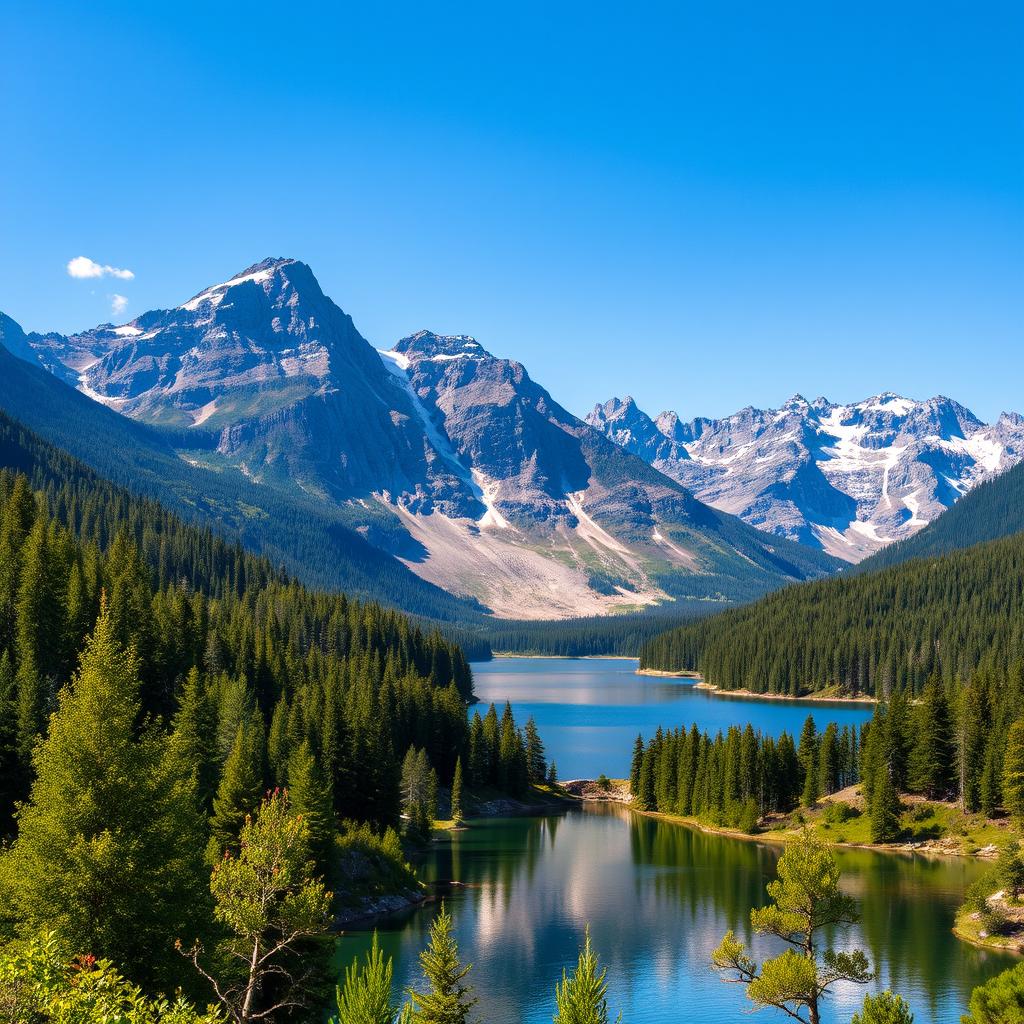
(438, 452)
(847, 478)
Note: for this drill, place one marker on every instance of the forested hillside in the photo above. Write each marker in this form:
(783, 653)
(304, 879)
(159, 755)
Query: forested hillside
(156, 682)
(992, 510)
(871, 634)
(314, 544)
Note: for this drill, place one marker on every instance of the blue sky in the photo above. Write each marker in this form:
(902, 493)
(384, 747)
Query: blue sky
(704, 205)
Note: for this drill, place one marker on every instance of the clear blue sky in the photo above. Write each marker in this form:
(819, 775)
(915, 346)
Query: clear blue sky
(706, 205)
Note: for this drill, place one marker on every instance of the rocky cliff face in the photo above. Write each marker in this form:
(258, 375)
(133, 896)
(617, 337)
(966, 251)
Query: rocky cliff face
(845, 478)
(440, 453)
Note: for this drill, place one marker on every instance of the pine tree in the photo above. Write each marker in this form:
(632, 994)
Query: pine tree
(885, 807)
(240, 788)
(583, 998)
(932, 760)
(457, 793)
(636, 766)
(106, 854)
(309, 794)
(190, 740)
(448, 1000)
(884, 1008)
(365, 995)
(536, 766)
(1013, 771)
(808, 754)
(553, 774)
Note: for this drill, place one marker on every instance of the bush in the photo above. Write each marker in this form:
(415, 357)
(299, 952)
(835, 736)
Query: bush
(922, 812)
(838, 812)
(367, 864)
(39, 982)
(748, 817)
(994, 921)
(603, 782)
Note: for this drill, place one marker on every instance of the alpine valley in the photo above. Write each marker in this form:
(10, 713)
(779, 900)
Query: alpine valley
(443, 459)
(436, 453)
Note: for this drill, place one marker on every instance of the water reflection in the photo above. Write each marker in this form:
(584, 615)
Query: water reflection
(659, 897)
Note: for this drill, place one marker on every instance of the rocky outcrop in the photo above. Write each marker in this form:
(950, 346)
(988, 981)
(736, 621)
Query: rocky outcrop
(847, 479)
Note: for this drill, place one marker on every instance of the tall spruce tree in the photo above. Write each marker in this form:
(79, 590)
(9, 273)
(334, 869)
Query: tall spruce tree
(1013, 771)
(106, 854)
(447, 999)
(583, 997)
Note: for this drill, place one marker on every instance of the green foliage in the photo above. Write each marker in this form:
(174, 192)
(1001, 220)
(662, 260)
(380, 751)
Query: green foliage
(1013, 771)
(583, 998)
(876, 633)
(365, 995)
(447, 1000)
(456, 800)
(268, 899)
(366, 864)
(885, 807)
(999, 1001)
(733, 779)
(106, 853)
(805, 900)
(884, 1008)
(39, 983)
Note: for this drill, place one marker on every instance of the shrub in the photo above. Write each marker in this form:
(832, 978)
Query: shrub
(368, 864)
(603, 782)
(994, 921)
(39, 982)
(838, 813)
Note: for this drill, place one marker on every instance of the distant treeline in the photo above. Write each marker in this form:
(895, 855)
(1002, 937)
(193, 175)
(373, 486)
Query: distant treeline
(875, 634)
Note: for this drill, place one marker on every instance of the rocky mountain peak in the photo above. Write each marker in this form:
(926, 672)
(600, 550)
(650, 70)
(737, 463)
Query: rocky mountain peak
(848, 478)
(428, 345)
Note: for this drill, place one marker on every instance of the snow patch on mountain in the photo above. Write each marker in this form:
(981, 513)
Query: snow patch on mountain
(847, 478)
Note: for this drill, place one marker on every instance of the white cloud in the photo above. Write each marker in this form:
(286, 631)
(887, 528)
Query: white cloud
(82, 266)
(118, 303)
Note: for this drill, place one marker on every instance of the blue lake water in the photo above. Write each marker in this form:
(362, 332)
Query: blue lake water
(658, 896)
(589, 710)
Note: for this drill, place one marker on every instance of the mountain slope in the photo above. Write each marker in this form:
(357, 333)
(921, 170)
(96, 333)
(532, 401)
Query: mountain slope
(437, 453)
(566, 513)
(848, 479)
(866, 633)
(992, 510)
(308, 539)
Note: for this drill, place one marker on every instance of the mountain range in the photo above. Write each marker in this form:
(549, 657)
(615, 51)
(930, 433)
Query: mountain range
(437, 453)
(848, 479)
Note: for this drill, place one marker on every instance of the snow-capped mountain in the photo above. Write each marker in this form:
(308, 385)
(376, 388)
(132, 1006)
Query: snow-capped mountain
(846, 478)
(439, 453)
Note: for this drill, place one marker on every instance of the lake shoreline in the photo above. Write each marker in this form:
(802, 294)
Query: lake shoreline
(745, 694)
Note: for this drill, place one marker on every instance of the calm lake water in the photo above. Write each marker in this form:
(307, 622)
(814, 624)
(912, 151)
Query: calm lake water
(658, 896)
(589, 710)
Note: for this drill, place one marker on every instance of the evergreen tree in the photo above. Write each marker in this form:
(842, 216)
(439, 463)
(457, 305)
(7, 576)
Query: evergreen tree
(806, 899)
(106, 854)
(1013, 771)
(808, 754)
(884, 1008)
(884, 808)
(536, 766)
(636, 766)
(457, 793)
(553, 774)
(309, 794)
(932, 759)
(582, 999)
(240, 788)
(190, 740)
(448, 1000)
(268, 899)
(365, 995)
(999, 1001)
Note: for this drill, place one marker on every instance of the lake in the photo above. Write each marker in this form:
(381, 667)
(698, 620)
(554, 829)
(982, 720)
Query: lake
(658, 896)
(589, 710)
